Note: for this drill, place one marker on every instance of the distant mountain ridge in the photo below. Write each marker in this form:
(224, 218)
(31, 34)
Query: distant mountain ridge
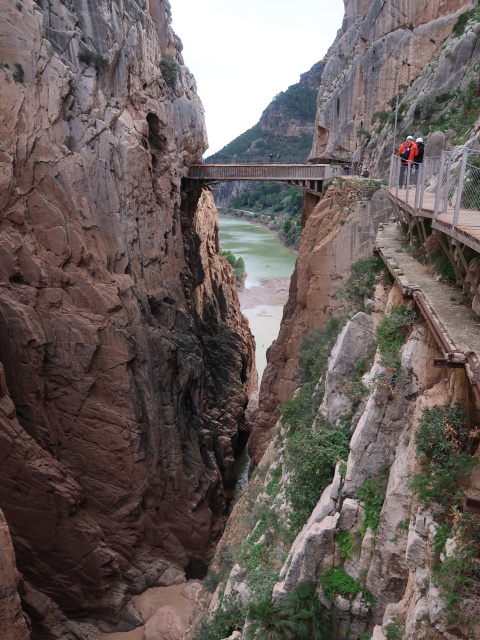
(284, 133)
(285, 128)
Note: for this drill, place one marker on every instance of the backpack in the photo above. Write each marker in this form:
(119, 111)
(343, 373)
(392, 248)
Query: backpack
(406, 154)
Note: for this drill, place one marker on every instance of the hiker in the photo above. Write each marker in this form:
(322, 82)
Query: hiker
(407, 152)
(271, 157)
(366, 173)
(346, 169)
(418, 157)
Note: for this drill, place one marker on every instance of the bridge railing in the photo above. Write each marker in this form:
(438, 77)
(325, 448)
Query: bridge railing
(261, 172)
(445, 188)
(258, 159)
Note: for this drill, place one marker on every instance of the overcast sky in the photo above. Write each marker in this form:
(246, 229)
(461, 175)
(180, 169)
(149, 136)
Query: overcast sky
(243, 52)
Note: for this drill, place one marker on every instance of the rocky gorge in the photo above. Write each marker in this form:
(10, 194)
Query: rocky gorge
(126, 366)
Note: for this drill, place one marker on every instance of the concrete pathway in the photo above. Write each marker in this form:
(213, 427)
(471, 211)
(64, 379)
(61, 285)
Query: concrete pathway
(459, 323)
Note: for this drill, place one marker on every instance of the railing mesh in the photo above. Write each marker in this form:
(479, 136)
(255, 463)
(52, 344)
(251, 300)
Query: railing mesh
(446, 189)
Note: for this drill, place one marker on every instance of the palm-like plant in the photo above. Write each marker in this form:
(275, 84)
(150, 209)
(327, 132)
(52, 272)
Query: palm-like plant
(269, 620)
(313, 620)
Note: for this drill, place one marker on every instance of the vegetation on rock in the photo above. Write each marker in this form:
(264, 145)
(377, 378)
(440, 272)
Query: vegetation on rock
(94, 59)
(444, 445)
(169, 69)
(237, 264)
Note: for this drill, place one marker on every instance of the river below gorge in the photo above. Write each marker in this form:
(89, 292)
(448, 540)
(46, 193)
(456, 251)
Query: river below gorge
(269, 265)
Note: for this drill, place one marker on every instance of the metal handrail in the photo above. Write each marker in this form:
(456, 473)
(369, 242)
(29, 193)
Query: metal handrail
(446, 189)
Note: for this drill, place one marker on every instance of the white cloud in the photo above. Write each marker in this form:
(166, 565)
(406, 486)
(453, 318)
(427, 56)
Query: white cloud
(243, 53)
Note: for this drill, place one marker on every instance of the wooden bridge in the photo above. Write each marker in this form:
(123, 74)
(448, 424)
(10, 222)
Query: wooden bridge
(307, 177)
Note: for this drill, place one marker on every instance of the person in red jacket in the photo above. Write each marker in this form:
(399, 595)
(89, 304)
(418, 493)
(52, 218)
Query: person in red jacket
(407, 152)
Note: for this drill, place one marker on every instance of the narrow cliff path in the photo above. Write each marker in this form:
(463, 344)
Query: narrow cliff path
(457, 320)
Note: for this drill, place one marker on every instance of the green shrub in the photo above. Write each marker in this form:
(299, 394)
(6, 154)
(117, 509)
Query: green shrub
(336, 580)
(269, 620)
(273, 487)
(443, 265)
(372, 493)
(314, 622)
(461, 23)
(224, 562)
(345, 541)
(224, 621)
(391, 333)
(442, 438)
(442, 533)
(394, 631)
(169, 69)
(361, 283)
(311, 457)
(315, 349)
(238, 265)
(94, 59)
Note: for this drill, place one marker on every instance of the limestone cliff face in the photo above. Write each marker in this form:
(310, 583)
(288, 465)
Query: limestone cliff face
(382, 48)
(126, 359)
(339, 230)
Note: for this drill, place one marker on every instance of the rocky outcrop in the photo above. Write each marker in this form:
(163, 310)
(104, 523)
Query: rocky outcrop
(396, 560)
(127, 362)
(381, 50)
(339, 230)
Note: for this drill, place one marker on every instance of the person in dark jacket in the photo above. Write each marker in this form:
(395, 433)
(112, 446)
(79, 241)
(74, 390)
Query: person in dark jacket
(418, 157)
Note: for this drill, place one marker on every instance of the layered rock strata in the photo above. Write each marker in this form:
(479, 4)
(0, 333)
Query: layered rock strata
(127, 362)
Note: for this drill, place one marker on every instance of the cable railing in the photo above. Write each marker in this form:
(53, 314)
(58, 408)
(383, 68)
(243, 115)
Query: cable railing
(446, 189)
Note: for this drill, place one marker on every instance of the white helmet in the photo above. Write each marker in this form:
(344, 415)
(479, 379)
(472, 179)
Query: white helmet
(409, 137)
(419, 140)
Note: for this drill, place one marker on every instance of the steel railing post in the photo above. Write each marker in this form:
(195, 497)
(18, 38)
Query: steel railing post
(417, 174)
(463, 169)
(438, 195)
(408, 182)
(397, 174)
(392, 168)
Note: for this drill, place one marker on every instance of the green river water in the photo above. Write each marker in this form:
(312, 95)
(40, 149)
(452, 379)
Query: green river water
(263, 253)
(265, 257)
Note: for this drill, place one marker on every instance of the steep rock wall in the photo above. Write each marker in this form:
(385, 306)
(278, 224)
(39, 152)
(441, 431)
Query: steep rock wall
(12, 621)
(381, 49)
(339, 230)
(125, 355)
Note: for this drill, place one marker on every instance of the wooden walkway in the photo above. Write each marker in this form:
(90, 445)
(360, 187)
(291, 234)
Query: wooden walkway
(467, 229)
(457, 325)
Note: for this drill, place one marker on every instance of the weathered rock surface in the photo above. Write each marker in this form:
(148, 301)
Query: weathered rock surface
(126, 358)
(381, 49)
(12, 620)
(337, 232)
(351, 348)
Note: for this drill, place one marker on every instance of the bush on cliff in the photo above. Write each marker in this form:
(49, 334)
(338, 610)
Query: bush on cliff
(299, 615)
(94, 59)
(169, 69)
(444, 444)
(391, 333)
(361, 283)
(312, 451)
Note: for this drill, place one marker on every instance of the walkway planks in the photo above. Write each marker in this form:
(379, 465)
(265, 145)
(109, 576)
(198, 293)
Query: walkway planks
(457, 322)
(467, 229)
